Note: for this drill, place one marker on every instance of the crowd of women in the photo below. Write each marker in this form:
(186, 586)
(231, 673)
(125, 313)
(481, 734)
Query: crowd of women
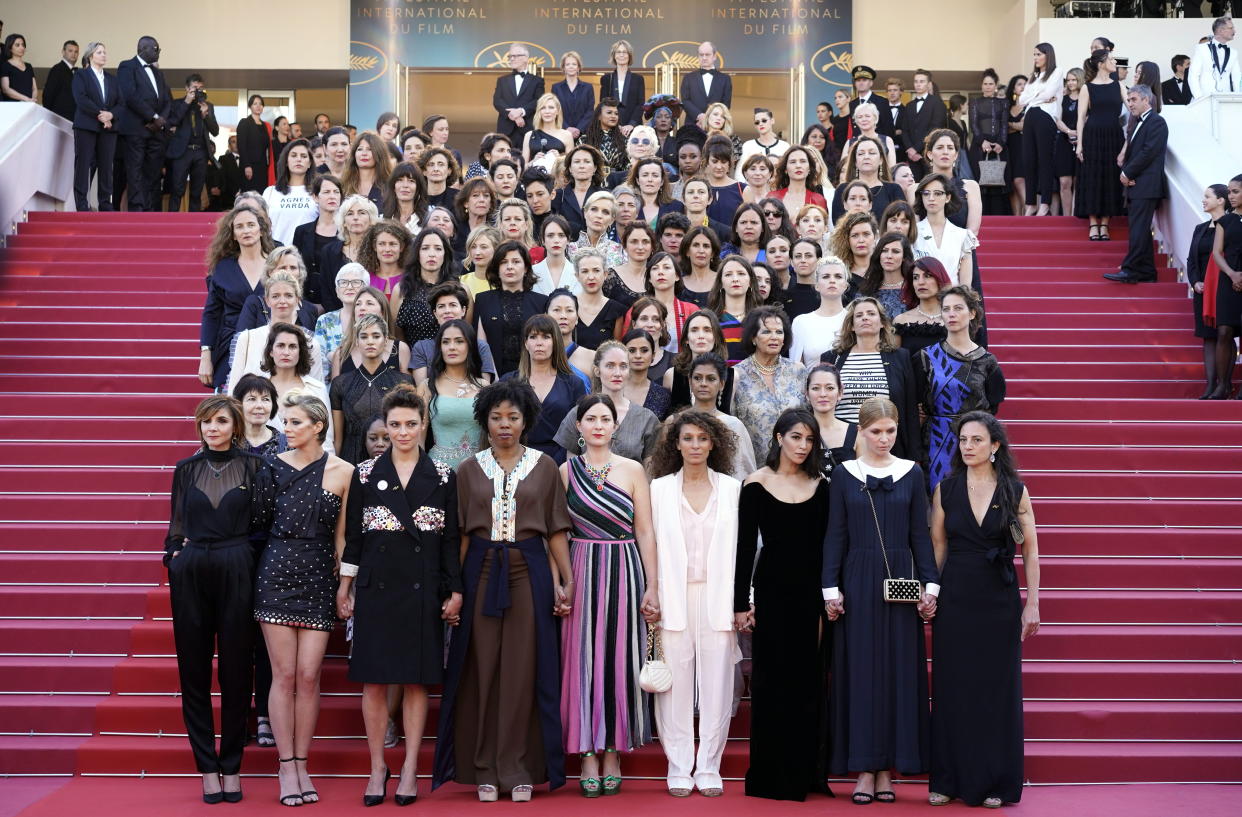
(603, 435)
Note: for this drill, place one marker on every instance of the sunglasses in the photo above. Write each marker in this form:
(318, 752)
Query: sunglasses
(762, 121)
(640, 140)
(771, 214)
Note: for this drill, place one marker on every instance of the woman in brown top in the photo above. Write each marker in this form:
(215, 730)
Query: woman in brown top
(500, 725)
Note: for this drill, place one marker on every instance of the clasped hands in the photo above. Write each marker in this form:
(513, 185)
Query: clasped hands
(835, 608)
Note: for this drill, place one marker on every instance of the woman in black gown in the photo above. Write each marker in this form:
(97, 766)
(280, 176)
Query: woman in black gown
(356, 395)
(785, 502)
(295, 591)
(401, 527)
(1227, 252)
(1215, 203)
(1100, 141)
(220, 497)
(877, 526)
(981, 622)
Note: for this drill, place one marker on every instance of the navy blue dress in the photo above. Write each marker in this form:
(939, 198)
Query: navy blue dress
(227, 291)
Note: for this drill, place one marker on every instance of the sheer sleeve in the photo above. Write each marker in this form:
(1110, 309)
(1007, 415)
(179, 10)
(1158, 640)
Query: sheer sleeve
(352, 555)
(262, 495)
(175, 540)
(747, 544)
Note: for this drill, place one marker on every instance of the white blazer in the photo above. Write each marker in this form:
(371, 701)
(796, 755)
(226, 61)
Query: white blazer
(671, 552)
(1204, 77)
(247, 355)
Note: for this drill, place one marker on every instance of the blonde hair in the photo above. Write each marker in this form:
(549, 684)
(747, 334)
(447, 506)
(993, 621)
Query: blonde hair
(283, 277)
(603, 349)
(871, 410)
(612, 53)
(868, 107)
(355, 200)
(276, 256)
(368, 321)
(727, 128)
(847, 339)
(315, 409)
(600, 195)
(558, 121)
(528, 235)
(571, 54)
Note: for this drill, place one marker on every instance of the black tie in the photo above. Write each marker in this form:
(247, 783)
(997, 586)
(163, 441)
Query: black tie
(918, 105)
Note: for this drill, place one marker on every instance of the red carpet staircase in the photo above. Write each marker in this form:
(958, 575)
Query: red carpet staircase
(1137, 489)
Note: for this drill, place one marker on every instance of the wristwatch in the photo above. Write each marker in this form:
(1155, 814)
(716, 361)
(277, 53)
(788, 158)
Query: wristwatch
(204, 348)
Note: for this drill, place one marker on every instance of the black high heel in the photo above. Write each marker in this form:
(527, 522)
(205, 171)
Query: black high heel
(306, 795)
(288, 799)
(404, 799)
(231, 796)
(375, 799)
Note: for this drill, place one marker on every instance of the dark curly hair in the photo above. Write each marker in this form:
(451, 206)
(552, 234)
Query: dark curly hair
(493, 267)
(667, 458)
(755, 320)
(517, 393)
(973, 302)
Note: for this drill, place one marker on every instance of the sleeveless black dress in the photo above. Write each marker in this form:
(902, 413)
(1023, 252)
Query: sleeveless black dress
(541, 142)
(977, 661)
(295, 586)
(1098, 192)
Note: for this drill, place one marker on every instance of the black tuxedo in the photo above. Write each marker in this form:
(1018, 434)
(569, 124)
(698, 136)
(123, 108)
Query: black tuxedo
(231, 178)
(1171, 95)
(58, 90)
(694, 100)
(94, 146)
(1145, 168)
(892, 118)
(634, 94)
(188, 150)
(885, 124)
(507, 96)
(143, 147)
(918, 121)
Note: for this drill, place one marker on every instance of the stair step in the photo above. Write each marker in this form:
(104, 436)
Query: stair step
(1143, 409)
(1130, 457)
(65, 636)
(1110, 484)
(1048, 432)
(81, 568)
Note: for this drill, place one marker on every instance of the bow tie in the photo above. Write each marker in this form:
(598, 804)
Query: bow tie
(707, 70)
(517, 73)
(152, 65)
(879, 483)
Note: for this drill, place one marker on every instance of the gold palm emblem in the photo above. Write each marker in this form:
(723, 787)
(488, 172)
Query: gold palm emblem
(684, 61)
(357, 63)
(844, 61)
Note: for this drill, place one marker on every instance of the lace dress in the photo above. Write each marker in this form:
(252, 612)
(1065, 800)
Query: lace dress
(358, 395)
(455, 434)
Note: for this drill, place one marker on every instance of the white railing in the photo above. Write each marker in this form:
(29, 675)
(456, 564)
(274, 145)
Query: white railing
(1204, 149)
(36, 162)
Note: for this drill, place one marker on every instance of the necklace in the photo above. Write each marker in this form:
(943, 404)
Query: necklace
(463, 386)
(598, 476)
(216, 472)
(766, 370)
(371, 380)
(935, 317)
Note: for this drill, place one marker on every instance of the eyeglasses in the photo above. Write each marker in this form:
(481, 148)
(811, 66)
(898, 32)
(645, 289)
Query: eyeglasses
(933, 194)
(640, 140)
(350, 284)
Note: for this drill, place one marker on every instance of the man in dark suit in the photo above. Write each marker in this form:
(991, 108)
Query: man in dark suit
(864, 78)
(191, 121)
(893, 89)
(1142, 177)
(1176, 91)
(144, 123)
(515, 96)
(58, 90)
(701, 88)
(924, 113)
(230, 173)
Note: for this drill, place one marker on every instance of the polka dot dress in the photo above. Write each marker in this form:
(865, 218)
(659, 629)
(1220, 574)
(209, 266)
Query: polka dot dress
(295, 586)
(415, 318)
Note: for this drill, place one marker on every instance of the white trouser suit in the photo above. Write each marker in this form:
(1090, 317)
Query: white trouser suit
(700, 645)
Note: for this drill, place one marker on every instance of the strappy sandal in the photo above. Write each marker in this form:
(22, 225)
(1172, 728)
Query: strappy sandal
(861, 798)
(1093, 233)
(612, 782)
(992, 802)
(1104, 236)
(307, 795)
(936, 799)
(886, 797)
(263, 734)
(294, 799)
(590, 786)
(522, 793)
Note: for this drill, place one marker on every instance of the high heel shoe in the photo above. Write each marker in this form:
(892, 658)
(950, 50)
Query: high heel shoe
(307, 795)
(404, 799)
(294, 799)
(234, 796)
(376, 799)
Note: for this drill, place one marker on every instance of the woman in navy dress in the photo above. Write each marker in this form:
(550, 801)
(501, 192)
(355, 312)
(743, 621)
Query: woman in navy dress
(981, 622)
(236, 259)
(545, 367)
(877, 527)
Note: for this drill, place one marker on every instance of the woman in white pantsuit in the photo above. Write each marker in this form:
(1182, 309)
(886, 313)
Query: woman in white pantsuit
(694, 509)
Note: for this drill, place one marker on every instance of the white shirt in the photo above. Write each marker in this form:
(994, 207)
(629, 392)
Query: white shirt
(813, 335)
(150, 74)
(1142, 119)
(1045, 94)
(289, 210)
(543, 279)
(517, 81)
(99, 77)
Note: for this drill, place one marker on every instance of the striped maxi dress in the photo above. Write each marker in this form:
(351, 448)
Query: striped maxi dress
(604, 637)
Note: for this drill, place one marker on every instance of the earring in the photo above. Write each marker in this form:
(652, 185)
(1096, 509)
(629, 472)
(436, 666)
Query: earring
(582, 444)
(992, 457)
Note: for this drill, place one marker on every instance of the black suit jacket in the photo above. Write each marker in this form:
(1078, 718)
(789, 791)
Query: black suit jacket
(904, 394)
(695, 101)
(894, 128)
(179, 119)
(1145, 158)
(885, 125)
(142, 102)
(86, 94)
(1171, 95)
(507, 96)
(58, 90)
(631, 110)
(231, 172)
(916, 125)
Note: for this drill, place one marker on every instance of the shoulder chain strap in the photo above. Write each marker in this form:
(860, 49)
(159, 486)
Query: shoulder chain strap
(879, 533)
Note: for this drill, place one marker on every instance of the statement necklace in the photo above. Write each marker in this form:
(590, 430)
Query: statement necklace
(766, 370)
(598, 476)
(462, 385)
(937, 317)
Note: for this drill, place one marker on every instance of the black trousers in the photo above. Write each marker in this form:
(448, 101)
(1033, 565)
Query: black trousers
(144, 163)
(192, 163)
(1140, 260)
(1039, 134)
(93, 150)
(212, 589)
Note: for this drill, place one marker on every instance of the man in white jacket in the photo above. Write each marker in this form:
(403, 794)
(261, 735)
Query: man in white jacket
(1215, 68)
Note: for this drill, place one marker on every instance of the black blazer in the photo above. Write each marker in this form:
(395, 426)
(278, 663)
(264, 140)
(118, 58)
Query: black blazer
(489, 325)
(90, 102)
(631, 110)
(142, 102)
(904, 394)
(231, 172)
(58, 90)
(179, 120)
(1168, 92)
(506, 96)
(577, 106)
(693, 99)
(254, 148)
(1145, 158)
(894, 127)
(565, 204)
(885, 125)
(916, 125)
(1196, 259)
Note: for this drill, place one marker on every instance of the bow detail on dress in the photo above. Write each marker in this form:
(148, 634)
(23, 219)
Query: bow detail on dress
(875, 483)
(1003, 559)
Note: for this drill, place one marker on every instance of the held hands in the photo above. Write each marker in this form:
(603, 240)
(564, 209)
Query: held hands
(835, 607)
(1030, 620)
(744, 622)
(344, 603)
(249, 173)
(651, 605)
(450, 611)
(927, 607)
(563, 607)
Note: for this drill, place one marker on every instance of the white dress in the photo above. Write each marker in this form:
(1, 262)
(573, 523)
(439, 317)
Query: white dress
(956, 243)
(751, 147)
(813, 335)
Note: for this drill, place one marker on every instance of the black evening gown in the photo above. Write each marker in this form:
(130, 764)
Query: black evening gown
(405, 544)
(977, 662)
(788, 685)
(295, 585)
(878, 695)
(591, 335)
(358, 395)
(1098, 191)
(920, 335)
(1228, 299)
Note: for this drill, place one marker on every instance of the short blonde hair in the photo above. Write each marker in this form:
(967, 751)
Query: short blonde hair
(602, 195)
(867, 107)
(557, 122)
(277, 255)
(356, 200)
(612, 52)
(573, 55)
(727, 129)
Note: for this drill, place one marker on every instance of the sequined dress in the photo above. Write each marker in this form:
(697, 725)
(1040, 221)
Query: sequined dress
(295, 586)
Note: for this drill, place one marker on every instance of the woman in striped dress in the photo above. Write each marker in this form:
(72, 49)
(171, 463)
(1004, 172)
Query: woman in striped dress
(614, 570)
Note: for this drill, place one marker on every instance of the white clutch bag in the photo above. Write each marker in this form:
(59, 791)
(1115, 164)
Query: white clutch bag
(655, 676)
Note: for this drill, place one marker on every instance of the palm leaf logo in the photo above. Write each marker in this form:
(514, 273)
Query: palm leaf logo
(684, 61)
(359, 63)
(843, 60)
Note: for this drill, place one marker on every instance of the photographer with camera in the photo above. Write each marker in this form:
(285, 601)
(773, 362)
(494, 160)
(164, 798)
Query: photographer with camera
(191, 121)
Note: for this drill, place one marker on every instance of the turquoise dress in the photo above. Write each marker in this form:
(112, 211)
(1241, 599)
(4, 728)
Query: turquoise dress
(454, 432)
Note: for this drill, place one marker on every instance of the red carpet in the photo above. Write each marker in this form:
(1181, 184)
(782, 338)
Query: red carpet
(1134, 677)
